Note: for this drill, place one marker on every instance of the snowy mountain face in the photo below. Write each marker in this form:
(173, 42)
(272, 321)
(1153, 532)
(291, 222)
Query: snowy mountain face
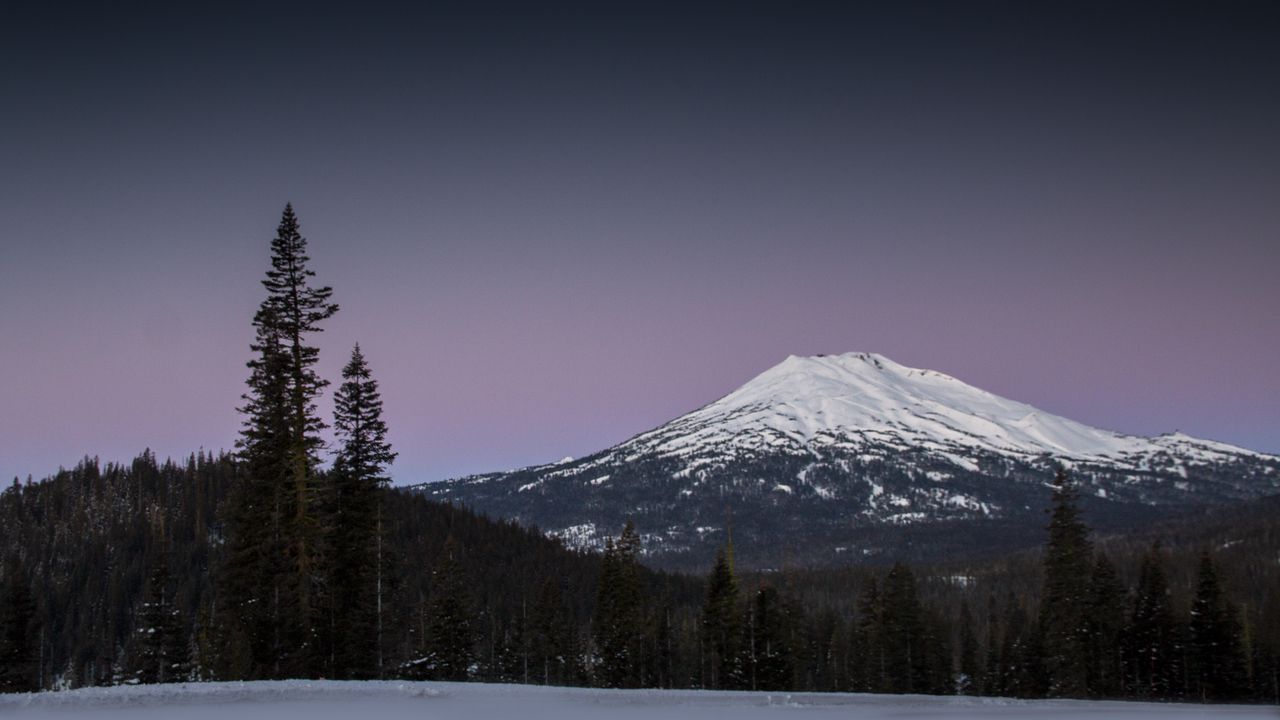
(863, 400)
(831, 458)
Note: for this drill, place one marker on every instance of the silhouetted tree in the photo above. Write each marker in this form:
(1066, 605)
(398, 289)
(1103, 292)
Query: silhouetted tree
(1151, 638)
(868, 666)
(1217, 659)
(722, 628)
(905, 647)
(769, 652)
(450, 621)
(269, 576)
(1104, 621)
(356, 567)
(553, 647)
(162, 651)
(617, 625)
(1067, 560)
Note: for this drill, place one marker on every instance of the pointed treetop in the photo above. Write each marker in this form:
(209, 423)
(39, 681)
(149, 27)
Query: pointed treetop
(357, 366)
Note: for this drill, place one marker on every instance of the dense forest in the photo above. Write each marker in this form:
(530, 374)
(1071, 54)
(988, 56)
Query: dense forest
(270, 562)
(110, 576)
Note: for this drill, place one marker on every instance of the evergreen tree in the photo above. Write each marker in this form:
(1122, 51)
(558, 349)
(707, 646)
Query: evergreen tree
(258, 629)
(552, 645)
(1012, 677)
(769, 649)
(268, 579)
(939, 670)
(991, 667)
(297, 308)
(665, 649)
(617, 625)
(1151, 641)
(868, 671)
(969, 679)
(509, 656)
(1104, 624)
(1033, 676)
(18, 672)
(450, 621)
(721, 628)
(161, 651)
(905, 647)
(356, 567)
(1217, 659)
(1067, 561)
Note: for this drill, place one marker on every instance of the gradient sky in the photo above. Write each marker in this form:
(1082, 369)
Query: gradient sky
(551, 227)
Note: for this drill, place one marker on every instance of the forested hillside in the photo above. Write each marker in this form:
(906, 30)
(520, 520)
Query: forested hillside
(86, 543)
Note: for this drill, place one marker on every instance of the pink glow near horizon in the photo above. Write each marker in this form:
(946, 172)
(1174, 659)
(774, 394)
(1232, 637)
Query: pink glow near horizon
(548, 242)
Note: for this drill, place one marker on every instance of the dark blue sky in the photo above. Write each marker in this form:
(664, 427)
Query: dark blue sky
(554, 226)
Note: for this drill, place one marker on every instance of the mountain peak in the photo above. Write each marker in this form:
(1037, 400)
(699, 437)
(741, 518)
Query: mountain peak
(856, 452)
(807, 403)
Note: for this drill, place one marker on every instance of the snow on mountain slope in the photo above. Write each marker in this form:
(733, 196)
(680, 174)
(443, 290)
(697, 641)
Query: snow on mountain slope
(864, 398)
(831, 455)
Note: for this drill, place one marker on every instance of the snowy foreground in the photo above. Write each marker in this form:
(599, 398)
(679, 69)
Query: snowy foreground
(473, 701)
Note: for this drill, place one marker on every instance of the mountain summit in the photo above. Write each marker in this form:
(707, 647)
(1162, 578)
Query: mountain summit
(865, 400)
(818, 458)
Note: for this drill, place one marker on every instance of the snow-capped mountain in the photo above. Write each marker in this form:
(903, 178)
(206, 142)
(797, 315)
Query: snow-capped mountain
(863, 400)
(819, 458)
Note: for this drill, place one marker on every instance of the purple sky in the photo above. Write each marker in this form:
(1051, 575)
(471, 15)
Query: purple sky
(550, 230)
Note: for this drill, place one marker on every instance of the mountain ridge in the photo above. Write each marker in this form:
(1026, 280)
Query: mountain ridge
(806, 399)
(828, 447)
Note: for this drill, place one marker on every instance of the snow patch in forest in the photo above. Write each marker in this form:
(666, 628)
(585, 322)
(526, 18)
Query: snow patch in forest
(577, 537)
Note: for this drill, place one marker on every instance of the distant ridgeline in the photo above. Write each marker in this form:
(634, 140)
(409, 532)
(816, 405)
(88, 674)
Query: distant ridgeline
(85, 547)
(269, 564)
(823, 458)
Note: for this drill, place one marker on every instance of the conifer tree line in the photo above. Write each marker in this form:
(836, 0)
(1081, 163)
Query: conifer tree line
(290, 558)
(110, 577)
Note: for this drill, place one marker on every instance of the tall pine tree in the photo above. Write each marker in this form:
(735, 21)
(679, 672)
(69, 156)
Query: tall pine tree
(450, 620)
(1152, 643)
(869, 665)
(268, 578)
(1067, 560)
(357, 569)
(161, 651)
(554, 646)
(617, 625)
(769, 652)
(906, 657)
(1217, 659)
(1104, 622)
(722, 628)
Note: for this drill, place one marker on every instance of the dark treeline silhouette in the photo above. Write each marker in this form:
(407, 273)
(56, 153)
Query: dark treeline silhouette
(265, 564)
(111, 572)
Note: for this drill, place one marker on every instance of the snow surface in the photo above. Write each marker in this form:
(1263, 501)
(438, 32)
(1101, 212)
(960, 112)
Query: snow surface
(392, 700)
(862, 399)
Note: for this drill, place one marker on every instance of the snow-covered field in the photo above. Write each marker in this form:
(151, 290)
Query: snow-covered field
(473, 701)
